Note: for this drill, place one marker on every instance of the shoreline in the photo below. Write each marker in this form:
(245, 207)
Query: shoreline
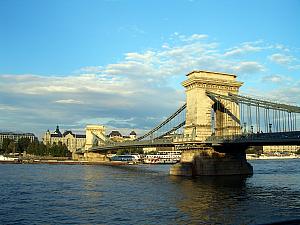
(264, 157)
(66, 162)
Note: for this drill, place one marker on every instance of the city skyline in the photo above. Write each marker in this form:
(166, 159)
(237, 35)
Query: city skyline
(120, 64)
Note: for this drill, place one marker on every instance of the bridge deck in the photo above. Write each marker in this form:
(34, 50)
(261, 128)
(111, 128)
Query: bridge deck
(260, 139)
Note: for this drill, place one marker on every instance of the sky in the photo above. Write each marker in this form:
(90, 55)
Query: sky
(120, 63)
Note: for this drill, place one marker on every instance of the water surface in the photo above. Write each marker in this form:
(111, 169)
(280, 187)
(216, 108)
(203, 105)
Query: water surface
(146, 194)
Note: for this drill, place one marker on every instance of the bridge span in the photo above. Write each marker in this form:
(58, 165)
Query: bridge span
(214, 121)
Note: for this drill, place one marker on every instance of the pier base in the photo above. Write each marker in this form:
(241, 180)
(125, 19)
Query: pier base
(95, 157)
(211, 163)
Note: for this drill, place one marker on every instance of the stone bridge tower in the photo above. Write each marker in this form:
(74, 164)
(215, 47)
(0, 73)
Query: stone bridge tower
(204, 116)
(95, 136)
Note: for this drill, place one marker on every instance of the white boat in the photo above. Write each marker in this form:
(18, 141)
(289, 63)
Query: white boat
(131, 159)
(252, 156)
(8, 159)
(163, 157)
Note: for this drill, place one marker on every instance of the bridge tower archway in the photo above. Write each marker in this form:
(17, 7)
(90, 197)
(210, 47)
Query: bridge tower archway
(206, 116)
(95, 135)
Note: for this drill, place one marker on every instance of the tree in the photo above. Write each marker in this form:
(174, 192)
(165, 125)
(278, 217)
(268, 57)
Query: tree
(11, 148)
(56, 149)
(59, 150)
(5, 144)
(23, 144)
(32, 148)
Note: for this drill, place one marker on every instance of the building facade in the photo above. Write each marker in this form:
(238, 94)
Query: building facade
(16, 136)
(280, 149)
(116, 136)
(71, 140)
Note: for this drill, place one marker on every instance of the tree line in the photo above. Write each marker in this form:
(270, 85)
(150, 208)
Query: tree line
(34, 148)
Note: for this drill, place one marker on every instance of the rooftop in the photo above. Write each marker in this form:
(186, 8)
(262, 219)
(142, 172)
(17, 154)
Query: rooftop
(211, 72)
(115, 133)
(132, 133)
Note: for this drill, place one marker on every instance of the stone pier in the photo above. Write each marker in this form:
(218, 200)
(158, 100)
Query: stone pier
(90, 157)
(209, 162)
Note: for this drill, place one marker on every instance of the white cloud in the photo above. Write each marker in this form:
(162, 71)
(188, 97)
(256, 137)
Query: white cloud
(90, 69)
(281, 59)
(294, 67)
(244, 48)
(287, 95)
(249, 67)
(195, 37)
(281, 47)
(136, 92)
(276, 78)
(4, 107)
(68, 101)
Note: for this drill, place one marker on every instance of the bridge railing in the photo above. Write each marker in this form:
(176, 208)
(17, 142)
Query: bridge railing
(254, 137)
(178, 138)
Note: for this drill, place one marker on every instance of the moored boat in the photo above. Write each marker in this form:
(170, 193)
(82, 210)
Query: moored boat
(4, 159)
(163, 157)
(130, 159)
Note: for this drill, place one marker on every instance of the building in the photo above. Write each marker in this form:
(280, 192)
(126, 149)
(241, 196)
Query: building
(16, 136)
(71, 140)
(280, 149)
(132, 135)
(118, 137)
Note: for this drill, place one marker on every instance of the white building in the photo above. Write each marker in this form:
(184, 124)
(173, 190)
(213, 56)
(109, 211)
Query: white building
(280, 149)
(72, 141)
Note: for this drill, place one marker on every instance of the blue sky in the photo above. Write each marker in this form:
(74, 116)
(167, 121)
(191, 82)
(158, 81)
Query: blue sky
(120, 63)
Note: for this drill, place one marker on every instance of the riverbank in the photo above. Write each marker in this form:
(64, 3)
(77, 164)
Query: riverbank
(53, 161)
(257, 157)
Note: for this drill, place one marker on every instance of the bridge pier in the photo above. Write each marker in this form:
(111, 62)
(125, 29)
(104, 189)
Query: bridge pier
(95, 157)
(206, 161)
(90, 157)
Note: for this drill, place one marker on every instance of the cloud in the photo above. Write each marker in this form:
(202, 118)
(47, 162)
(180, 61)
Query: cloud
(195, 37)
(243, 49)
(136, 92)
(68, 101)
(294, 67)
(276, 79)
(249, 67)
(90, 69)
(281, 59)
(287, 95)
(4, 108)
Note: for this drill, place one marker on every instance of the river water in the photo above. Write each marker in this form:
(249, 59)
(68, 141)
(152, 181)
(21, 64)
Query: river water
(146, 194)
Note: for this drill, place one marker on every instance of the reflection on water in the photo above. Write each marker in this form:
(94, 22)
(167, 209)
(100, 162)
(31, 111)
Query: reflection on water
(213, 199)
(146, 194)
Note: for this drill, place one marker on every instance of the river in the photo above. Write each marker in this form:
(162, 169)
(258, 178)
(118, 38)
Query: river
(146, 194)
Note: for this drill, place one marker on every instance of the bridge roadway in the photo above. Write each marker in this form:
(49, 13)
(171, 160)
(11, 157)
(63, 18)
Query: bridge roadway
(252, 139)
(258, 139)
(137, 144)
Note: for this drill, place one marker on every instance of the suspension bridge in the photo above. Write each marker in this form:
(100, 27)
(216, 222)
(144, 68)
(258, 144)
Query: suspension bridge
(215, 116)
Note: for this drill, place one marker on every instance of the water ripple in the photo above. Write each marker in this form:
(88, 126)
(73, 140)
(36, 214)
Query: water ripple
(143, 194)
